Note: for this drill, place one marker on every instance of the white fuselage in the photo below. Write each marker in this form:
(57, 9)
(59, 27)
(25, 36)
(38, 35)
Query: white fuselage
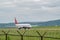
(23, 25)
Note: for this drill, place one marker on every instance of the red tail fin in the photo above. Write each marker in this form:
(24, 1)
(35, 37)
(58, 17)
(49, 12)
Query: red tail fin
(16, 21)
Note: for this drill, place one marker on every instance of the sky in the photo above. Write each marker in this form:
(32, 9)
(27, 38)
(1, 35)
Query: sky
(29, 10)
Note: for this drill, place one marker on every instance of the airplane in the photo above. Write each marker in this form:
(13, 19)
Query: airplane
(20, 26)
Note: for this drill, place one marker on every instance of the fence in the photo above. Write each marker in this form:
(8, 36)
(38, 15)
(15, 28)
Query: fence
(41, 37)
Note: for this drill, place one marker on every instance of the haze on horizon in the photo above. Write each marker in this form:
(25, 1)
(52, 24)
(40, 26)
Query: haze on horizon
(29, 10)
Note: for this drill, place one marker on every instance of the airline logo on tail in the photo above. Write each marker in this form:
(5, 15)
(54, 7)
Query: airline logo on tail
(16, 21)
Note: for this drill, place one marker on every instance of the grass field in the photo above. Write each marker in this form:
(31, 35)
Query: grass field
(50, 32)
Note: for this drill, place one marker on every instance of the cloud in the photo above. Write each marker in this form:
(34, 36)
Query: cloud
(29, 10)
(7, 3)
(46, 9)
